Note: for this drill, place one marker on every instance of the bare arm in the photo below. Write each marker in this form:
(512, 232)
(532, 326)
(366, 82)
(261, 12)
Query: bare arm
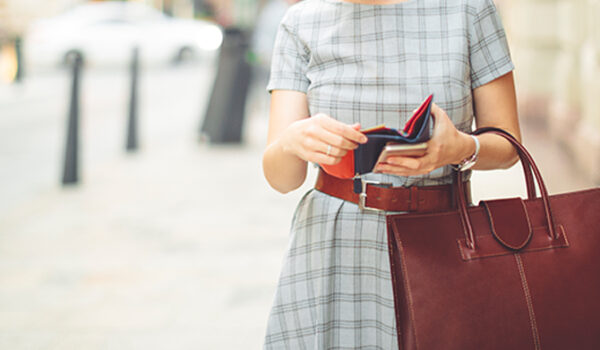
(295, 139)
(495, 105)
(283, 171)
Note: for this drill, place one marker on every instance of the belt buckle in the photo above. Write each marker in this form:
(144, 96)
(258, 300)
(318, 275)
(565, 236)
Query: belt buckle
(362, 197)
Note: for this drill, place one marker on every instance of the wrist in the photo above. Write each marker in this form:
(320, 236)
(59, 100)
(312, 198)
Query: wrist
(466, 147)
(470, 154)
(285, 145)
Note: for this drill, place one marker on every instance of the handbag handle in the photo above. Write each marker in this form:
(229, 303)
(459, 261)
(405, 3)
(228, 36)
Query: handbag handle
(531, 194)
(529, 166)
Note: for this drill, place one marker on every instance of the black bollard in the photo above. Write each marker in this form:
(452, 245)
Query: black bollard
(224, 118)
(20, 62)
(71, 168)
(132, 132)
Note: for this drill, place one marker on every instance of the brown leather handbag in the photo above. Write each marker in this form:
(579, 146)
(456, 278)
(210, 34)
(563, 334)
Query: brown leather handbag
(507, 274)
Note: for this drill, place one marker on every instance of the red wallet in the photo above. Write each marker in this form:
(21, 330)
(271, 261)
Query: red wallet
(362, 160)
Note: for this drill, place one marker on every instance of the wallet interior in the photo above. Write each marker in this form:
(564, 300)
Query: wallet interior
(363, 159)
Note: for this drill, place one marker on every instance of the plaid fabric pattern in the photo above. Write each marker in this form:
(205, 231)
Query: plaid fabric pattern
(372, 64)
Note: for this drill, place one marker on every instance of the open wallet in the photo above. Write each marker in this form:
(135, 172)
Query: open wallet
(362, 160)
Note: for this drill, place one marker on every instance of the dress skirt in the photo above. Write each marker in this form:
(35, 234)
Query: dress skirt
(335, 289)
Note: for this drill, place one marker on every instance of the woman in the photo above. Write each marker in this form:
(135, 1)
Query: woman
(343, 65)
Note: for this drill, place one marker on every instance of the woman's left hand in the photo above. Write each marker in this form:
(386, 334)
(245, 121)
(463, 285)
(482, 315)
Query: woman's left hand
(446, 146)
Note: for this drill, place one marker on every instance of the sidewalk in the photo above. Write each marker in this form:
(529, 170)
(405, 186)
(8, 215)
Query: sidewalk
(176, 247)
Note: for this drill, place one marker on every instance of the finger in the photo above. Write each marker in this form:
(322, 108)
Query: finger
(439, 115)
(321, 158)
(397, 170)
(329, 149)
(425, 163)
(393, 170)
(320, 134)
(337, 141)
(435, 109)
(406, 162)
(344, 130)
(421, 165)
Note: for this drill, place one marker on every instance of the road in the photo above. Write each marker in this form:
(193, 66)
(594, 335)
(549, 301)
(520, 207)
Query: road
(177, 246)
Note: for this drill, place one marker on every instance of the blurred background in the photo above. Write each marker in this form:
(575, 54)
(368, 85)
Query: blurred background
(133, 211)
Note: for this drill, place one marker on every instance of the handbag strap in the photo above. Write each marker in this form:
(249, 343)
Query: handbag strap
(529, 167)
(524, 162)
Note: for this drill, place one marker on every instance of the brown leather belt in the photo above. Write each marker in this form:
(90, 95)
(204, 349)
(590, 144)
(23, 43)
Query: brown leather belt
(381, 196)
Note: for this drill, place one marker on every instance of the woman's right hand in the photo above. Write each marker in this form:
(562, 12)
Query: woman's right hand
(321, 139)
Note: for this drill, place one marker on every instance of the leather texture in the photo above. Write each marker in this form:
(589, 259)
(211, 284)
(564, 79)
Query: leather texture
(414, 199)
(507, 274)
(509, 222)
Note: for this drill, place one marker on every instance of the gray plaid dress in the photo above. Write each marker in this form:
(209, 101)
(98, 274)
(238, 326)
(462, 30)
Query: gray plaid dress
(371, 64)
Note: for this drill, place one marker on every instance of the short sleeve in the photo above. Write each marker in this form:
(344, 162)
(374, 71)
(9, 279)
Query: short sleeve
(290, 60)
(488, 48)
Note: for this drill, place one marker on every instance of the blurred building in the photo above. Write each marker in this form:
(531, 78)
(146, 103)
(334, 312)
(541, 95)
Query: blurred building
(556, 49)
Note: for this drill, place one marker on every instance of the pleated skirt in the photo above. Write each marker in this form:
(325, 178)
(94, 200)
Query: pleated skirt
(335, 289)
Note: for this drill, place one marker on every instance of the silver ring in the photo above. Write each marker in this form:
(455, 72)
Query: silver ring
(328, 149)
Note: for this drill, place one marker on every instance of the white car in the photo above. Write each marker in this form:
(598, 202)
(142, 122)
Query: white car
(105, 33)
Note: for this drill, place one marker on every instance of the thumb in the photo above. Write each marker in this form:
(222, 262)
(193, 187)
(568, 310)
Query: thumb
(356, 126)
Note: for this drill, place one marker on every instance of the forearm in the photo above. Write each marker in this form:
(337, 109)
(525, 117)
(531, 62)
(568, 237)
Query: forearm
(284, 171)
(496, 106)
(495, 153)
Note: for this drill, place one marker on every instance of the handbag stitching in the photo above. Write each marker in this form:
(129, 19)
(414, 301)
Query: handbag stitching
(534, 329)
(564, 234)
(528, 225)
(529, 250)
(408, 293)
